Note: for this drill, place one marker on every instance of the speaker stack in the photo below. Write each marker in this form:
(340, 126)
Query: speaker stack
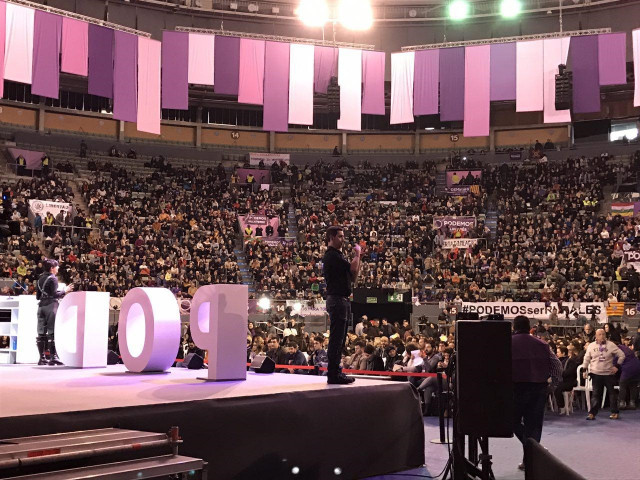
(564, 88)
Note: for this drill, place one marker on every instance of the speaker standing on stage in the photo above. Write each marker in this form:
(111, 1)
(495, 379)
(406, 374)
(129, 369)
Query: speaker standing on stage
(48, 295)
(339, 273)
(533, 363)
(601, 357)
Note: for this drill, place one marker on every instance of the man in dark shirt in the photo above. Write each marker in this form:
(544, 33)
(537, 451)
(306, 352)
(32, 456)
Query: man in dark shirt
(533, 363)
(338, 274)
(48, 295)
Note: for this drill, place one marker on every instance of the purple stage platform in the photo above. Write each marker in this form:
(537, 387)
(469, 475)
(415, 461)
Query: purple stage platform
(258, 428)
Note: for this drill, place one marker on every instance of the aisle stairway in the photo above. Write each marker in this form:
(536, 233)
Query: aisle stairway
(441, 184)
(491, 219)
(247, 278)
(293, 223)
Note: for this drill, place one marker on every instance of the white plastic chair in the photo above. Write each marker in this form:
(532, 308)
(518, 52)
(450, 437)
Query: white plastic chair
(586, 389)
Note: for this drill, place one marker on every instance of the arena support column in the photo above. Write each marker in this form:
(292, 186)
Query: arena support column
(344, 144)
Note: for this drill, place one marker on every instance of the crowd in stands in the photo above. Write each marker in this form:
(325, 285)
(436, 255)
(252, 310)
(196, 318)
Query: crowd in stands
(20, 254)
(178, 227)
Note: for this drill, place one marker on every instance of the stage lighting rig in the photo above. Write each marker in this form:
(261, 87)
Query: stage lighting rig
(351, 14)
(510, 8)
(355, 14)
(313, 13)
(458, 10)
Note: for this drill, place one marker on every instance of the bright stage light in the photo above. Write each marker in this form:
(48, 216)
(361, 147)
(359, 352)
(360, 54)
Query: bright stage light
(458, 10)
(355, 14)
(264, 303)
(313, 13)
(510, 8)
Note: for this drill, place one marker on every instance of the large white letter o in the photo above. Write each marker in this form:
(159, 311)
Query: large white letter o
(149, 329)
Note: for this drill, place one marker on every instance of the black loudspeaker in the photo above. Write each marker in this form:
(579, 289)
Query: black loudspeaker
(564, 88)
(484, 386)
(193, 361)
(113, 358)
(263, 364)
(539, 464)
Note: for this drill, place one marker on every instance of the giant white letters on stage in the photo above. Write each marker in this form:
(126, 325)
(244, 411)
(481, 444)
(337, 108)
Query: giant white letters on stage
(149, 329)
(81, 339)
(218, 320)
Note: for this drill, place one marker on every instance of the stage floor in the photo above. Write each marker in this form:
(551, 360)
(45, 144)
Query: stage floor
(72, 389)
(265, 427)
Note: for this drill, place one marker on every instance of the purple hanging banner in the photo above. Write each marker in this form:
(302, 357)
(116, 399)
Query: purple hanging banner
(452, 84)
(426, 75)
(47, 39)
(503, 71)
(612, 58)
(373, 83)
(125, 77)
(175, 69)
(100, 61)
(586, 81)
(325, 66)
(276, 87)
(226, 68)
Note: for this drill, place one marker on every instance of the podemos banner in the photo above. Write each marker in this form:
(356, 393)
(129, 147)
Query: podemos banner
(537, 310)
(454, 224)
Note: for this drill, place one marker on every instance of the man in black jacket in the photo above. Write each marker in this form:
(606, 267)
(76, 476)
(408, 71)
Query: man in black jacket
(48, 295)
(374, 361)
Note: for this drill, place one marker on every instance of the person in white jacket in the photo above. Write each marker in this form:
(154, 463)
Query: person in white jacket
(602, 358)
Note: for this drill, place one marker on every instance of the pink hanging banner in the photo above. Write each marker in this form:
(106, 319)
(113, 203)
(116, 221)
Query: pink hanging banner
(612, 58)
(325, 66)
(635, 39)
(18, 56)
(373, 82)
(301, 84)
(556, 51)
(201, 63)
(251, 79)
(425, 82)
(529, 76)
(47, 39)
(350, 81)
(75, 46)
(148, 115)
(402, 70)
(276, 87)
(3, 26)
(477, 90)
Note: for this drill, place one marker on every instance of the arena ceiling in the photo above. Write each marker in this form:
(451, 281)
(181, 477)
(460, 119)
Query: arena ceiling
(386, 11)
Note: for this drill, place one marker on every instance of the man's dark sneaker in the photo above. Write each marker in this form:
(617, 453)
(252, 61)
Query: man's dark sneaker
(341, 379)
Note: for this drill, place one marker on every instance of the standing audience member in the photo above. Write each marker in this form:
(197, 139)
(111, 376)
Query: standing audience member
(599, 360)
(629, 379)
(533, 363)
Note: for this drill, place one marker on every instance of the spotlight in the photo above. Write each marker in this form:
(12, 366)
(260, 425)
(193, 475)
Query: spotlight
(297, 308)
(355, 14)
(458, 10)
(264, 303)
(313, 13)
(510, 8)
